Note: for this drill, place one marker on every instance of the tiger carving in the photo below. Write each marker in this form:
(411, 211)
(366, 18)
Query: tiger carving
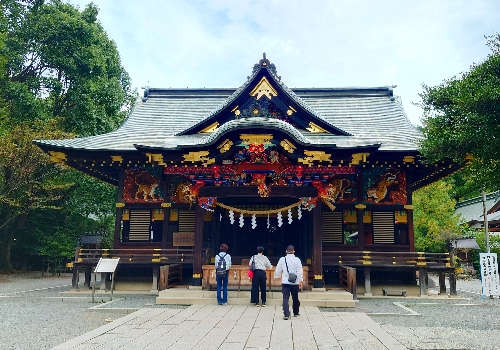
(379, 190)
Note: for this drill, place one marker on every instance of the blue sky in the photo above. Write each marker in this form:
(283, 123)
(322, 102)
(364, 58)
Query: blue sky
(317, 43)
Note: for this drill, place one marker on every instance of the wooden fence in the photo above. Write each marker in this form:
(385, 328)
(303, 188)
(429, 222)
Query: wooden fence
(136, 256)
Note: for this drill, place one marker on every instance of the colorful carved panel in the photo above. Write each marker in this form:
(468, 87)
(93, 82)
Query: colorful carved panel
(258, 154)
(143, 185)
(384, 186)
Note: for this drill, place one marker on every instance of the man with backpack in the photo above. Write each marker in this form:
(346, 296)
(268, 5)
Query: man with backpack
(222, 266)
(290, 269)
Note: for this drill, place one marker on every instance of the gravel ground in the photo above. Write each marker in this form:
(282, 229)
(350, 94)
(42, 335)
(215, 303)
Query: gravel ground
(35, 315)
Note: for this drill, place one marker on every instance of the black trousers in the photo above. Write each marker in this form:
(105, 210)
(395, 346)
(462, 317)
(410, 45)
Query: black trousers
(292, 289)
(258, 281)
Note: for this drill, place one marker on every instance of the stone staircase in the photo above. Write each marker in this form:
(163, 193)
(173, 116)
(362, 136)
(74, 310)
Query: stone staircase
(185, 296)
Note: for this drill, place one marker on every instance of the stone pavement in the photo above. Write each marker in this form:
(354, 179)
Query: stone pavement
(236, 327)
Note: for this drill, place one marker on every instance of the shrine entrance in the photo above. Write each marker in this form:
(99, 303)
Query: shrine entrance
(269, 231)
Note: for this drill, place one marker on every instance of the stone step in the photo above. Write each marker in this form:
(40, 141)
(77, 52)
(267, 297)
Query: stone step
(185, 293)
(187, 300)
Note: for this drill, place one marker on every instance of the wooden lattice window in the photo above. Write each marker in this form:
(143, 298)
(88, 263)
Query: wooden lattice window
(332, 227)
(140, 225)
(383, 227)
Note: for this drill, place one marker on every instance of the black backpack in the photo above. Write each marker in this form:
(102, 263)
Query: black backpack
(221, 268)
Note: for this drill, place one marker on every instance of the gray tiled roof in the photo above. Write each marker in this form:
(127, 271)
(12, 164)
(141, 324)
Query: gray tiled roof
(371, 117)
(471, 210)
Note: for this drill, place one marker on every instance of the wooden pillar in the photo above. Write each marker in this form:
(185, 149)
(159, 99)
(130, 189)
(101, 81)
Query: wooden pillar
(360, 210)
(156, 272)
(198, 245)
(368, 284)
(76, 276)
(422, 277)
(452, 277)
(164, 232)
(442, 283)
(119, 210)
(317, 245)
(409, 211)
(88, 276)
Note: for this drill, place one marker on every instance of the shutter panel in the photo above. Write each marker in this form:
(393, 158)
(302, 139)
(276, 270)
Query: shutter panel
(331, 226)
(383, 227)
(186, 220)
(140, 221)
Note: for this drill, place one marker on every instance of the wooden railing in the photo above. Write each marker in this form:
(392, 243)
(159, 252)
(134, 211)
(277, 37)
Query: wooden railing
(348, 280)
(386, 259)
(140, 256)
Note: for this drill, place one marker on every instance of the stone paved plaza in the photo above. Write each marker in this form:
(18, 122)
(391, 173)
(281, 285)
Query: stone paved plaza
(236, 327)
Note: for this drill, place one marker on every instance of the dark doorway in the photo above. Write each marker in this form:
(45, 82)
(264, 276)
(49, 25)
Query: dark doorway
(243, 241)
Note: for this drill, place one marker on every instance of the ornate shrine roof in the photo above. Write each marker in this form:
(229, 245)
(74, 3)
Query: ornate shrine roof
(172, 118)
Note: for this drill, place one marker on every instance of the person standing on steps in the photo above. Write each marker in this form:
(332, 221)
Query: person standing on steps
(259, 276)
(222, 266)
(290, 269)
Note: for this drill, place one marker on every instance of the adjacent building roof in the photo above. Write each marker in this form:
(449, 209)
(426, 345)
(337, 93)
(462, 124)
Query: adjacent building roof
(471, 210)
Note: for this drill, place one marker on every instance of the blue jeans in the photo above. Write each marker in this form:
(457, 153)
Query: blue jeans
(222, 285)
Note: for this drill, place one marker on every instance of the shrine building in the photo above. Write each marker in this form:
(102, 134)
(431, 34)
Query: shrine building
(328, 170)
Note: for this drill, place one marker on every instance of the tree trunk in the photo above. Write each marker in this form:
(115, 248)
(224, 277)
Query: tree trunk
(7, 235)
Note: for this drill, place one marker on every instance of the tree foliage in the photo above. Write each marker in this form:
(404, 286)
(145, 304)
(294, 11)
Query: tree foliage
(461, 118)
(434, 218)
(60, 76)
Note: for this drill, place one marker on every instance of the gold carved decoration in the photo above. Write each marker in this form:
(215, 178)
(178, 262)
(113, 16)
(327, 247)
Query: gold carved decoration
(291, 110)
(408, 207)
(225, 145)
(316, 128)
(166, 205)
(263, 88)
(360, 206)
(357, 158)
(408, 159)
(210, 128)
(57, 157)
(155, 157)
(257, 139)
(200, 156)
(287, 146)
(116, 159)
(312, 156)
(120, 205)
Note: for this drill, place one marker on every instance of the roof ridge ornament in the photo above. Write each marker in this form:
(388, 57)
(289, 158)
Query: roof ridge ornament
(264, 63)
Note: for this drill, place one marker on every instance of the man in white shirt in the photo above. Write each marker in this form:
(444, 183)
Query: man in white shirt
(289, 265)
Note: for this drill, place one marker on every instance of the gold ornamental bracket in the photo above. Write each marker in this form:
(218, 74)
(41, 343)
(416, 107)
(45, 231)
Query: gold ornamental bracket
(315, 128)
(287, 146)
(263, 88)
(155, 157)
(57, 157)
(315, 156)
(225, 146)
(210, 128)
(200, 156)
(256, 139)
(357, 158)
(116, 159)
(408, 159)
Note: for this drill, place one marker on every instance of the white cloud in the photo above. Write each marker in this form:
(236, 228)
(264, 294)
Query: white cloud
(214, 43)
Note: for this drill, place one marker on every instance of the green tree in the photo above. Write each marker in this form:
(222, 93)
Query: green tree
(435, 221)
(62, 77)
(461, 118)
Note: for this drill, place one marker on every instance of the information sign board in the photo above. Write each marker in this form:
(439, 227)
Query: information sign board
(107, 265)
(490, 285)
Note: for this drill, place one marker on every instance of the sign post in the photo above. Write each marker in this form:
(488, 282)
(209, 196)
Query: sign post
(490, 285)
(106, 265)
